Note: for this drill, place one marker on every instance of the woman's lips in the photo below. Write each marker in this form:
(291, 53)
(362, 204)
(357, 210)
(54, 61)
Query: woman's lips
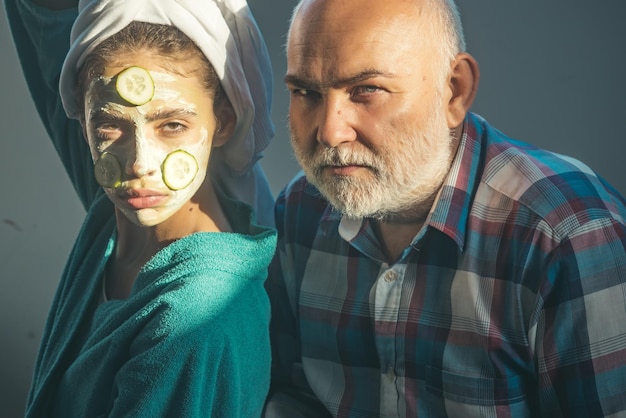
(143, 198)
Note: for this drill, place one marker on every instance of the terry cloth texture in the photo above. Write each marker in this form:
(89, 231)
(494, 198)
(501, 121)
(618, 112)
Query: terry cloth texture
(191, 340)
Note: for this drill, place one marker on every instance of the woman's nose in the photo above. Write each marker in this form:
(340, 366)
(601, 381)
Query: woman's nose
(141, 160)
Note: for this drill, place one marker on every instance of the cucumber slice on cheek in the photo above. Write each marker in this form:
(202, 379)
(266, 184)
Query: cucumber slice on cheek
(135, 85)
(179, 169)
(108, 171)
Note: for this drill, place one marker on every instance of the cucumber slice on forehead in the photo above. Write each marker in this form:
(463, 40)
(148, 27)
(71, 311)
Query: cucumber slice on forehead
(135, 85)
(108, 171)
(179, 169)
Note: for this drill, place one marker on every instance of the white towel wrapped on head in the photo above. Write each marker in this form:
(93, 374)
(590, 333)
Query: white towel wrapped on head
(227, 34)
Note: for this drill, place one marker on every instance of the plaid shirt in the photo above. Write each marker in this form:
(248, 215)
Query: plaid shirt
(511, 300)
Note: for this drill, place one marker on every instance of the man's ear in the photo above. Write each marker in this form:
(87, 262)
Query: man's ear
(226, 121)
(462, 84)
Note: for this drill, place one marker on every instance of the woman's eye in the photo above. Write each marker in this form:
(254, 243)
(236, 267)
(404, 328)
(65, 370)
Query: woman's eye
(107, 126)
(173, 127)
(107, 131)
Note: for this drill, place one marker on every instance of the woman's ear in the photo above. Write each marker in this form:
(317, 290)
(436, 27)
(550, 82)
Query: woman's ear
(462, 84)
(226, 121)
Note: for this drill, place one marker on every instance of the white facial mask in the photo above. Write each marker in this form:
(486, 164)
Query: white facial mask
(173, 131)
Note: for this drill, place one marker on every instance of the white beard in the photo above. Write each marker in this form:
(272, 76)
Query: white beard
(404, 173)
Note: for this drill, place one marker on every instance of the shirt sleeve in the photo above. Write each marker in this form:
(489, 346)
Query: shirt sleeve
(42, 38)
(581, 328)
(283, 328)
(290, 394)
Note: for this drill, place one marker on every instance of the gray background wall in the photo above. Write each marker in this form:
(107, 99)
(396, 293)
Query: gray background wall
(552, 74)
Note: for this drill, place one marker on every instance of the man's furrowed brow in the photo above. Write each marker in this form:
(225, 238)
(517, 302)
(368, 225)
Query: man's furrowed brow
(303, 83)
(364, 75)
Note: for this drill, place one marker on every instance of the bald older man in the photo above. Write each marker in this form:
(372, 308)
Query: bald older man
(428, 265)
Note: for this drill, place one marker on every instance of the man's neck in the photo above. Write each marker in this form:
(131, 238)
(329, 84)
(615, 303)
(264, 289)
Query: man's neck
(395, 237)
(396, 232)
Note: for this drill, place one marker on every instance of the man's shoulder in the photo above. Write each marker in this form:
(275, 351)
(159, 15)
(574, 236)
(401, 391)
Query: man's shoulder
(552, 185)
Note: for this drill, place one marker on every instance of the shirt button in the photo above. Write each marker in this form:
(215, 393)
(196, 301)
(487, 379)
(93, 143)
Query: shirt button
(390, 276)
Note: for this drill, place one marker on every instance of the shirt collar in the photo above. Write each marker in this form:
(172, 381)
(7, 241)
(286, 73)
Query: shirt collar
(451, 209)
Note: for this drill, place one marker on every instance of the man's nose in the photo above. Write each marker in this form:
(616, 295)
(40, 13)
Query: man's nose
(335, 124)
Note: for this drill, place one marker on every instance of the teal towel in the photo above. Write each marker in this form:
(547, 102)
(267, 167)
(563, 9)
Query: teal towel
(191, 340)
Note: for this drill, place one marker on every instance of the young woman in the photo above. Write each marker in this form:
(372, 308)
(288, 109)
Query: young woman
(161, 309)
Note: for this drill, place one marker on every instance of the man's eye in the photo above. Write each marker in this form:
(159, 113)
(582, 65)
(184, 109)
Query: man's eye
(305, 93)
(365, 90)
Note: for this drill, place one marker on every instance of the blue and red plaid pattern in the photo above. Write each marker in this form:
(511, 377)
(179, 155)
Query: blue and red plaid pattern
(510, 302)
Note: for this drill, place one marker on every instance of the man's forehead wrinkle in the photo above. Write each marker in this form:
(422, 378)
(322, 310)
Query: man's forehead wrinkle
(326, 66)
(318, 61)
(332, 79)
(321, 28)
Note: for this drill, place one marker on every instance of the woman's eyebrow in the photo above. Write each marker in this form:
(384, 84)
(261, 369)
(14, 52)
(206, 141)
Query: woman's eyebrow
(169, 113)
(107, 113)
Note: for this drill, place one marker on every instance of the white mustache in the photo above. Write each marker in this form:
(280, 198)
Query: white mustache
(344, 157)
